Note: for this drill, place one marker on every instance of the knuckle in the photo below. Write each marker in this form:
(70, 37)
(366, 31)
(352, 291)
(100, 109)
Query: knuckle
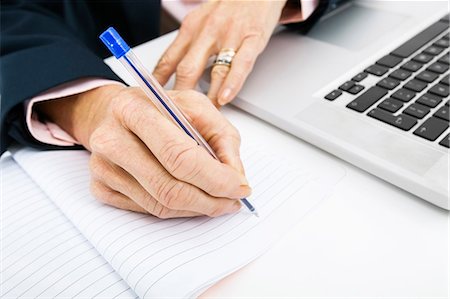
(188, 23)
(131, 110)
(161, 211)
(213, 22)
(186, 70)
(125, 107)
(171, 193)
(165, 63)
(102, 140)
(216, 212)
(180, 159)
(255, 33)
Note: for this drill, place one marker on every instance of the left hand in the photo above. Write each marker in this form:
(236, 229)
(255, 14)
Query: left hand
(244, 26)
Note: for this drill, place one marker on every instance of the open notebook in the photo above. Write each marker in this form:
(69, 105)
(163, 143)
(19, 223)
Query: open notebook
(141, 254)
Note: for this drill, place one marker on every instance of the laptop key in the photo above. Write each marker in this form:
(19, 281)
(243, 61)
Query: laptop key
(412, 66)
(391, 105)
(433, 50)
(443, 43)
(427, 76)
(445, 58)
(445, 80)
(440, 90)
(418, 41)
(367, 99)
(401, 121)
(404, 95)
(439, 68)
(431, 129)
(446, 141)
(422, 58)
(333, 95)
(443, 113)
(347, 85)
(390, 61)
(429, 100)
(400, 74)
(388, 83)
(417, 110)
(356, 89)
(360, 77)
(415, 85)
(376, 70)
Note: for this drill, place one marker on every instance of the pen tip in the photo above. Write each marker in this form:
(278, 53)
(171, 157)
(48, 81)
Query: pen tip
(256, 214)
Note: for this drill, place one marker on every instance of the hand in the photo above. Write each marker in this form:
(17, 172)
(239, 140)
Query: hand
(142, 162)
(245, 26)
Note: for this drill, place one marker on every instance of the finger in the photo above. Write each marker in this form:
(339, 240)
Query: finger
(178, 153)
(113, 198)
(241, 67)
(218, 75)
(143, 166)
(116, 199)
(117, 179)
(220, 134)
(172, 56)
(191, 67)
(219, 72)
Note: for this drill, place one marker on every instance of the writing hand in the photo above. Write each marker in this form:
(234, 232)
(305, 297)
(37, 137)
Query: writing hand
(141, 161)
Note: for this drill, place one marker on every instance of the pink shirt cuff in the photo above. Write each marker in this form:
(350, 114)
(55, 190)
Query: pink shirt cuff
(292, 14)
(48, 132)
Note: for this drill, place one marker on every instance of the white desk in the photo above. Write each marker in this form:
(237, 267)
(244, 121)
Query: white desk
(370, 239)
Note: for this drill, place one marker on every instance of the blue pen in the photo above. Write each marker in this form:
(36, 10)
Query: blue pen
(155, 92)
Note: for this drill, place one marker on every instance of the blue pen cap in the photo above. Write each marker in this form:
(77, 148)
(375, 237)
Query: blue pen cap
(114, 42)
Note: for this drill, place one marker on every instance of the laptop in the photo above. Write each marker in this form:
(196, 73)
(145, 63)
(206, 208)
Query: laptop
(369, 84)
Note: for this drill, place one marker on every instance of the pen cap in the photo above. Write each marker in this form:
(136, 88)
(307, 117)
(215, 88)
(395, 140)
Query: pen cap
(114, 42)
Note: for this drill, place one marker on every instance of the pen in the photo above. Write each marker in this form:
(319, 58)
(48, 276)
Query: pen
(155, 92)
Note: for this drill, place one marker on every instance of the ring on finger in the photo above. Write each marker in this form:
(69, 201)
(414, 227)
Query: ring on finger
(225, 57)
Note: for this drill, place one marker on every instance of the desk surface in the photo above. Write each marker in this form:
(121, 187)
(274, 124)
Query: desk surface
(369, 239)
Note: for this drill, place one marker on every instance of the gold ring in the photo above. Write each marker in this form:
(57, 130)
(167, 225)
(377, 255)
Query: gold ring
(225, 57)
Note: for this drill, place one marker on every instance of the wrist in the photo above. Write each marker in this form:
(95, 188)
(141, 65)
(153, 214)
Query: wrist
(81, 113)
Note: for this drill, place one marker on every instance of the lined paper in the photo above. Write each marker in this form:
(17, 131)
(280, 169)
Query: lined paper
(177, 257)
(43, 254)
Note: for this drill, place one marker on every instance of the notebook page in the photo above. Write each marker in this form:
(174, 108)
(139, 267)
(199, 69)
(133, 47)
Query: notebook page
(43, 254)
(178, 257)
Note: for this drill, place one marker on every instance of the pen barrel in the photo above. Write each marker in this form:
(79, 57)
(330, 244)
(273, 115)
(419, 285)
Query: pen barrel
(159, 97)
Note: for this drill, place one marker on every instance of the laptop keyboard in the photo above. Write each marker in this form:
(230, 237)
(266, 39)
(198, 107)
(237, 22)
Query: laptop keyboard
(412, 89)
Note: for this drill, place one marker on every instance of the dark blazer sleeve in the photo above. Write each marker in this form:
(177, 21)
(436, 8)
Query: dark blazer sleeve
(38, 51)
(323, 7)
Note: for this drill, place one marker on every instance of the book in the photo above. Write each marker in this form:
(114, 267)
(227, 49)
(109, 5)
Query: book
(141, 255)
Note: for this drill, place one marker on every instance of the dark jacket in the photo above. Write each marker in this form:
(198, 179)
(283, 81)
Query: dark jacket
(48, 43)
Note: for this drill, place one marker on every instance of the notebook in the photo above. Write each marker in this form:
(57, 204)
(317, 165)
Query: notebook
(128, 254)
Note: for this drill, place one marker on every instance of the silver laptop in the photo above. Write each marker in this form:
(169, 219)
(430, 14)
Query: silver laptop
(369, 84)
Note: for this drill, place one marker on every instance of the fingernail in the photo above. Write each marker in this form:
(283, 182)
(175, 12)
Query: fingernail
(237, 206)
(244, 191)
(244, 181)
(224, 97)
